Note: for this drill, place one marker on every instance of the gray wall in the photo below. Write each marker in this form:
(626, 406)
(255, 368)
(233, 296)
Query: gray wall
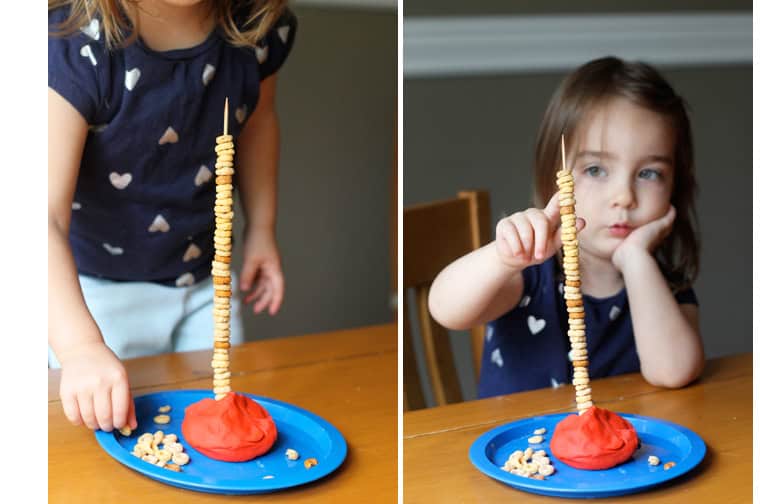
(480, 133)
(337, 107)
(490, 7)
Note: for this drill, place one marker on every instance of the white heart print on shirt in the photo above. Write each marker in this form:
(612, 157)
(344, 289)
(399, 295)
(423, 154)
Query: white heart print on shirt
(159, 224)
(489, 332)
(169, 136)
(203, 175)
(283, 32)
(561, 288)
(75, 205)
(240, 113)
(208, 73)
(86, 52)
(120, 181)
(525, 301)
(535, 325)
(614, 312)
(192, 252)
(92, 30)
(185, 280)
(496, 358)
(112, 249)
(261, 53)
(131, 77)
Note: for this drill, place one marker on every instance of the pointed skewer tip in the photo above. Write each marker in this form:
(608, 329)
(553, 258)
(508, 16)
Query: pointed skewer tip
(226, 113)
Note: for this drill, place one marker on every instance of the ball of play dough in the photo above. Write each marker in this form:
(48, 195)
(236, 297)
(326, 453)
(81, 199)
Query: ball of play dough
(597, 439)
(233, 429)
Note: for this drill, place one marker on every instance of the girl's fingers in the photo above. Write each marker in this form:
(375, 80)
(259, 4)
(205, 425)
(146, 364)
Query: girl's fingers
(120, 403)
(580, 223)
(278, 291)
(263, 301)
(509, 234)
(552, 209)
(103, 411)
(131, 416)
(258, 289)
(525, 232)
(669, 218)
(248, 274)
(540, 225)
(86, 411)
(71, 409)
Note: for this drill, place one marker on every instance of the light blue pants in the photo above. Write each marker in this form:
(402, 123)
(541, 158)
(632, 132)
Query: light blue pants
(143, 318)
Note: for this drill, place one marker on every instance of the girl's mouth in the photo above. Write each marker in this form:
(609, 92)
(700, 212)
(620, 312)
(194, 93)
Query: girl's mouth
(620, 230)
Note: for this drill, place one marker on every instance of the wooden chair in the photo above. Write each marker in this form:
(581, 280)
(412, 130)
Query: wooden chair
(435, 234)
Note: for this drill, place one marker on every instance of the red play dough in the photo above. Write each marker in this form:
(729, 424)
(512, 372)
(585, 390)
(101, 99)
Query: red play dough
(233, 429)
(597, 439)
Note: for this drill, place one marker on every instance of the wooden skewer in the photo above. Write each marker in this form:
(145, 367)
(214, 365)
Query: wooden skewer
(226, 113)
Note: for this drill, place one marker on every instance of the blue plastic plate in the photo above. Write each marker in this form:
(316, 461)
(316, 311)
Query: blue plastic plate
(669, 441)
(308, 434)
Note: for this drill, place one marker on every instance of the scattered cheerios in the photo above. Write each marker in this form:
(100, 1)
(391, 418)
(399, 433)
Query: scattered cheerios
(165, 409)
(540, 431)
(162, 419)
(309, 463)
(529, 464)
(126, 431)
(536, 439)
(161, 450)
(653, 460)
(668, 465)
(291, 454)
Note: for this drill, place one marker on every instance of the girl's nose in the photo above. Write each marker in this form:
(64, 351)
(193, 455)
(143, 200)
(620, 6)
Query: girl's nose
(624, 196)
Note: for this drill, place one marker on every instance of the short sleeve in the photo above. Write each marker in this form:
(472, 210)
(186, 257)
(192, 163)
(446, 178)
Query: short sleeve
(686, 296)
(277, 44)
(76, 63)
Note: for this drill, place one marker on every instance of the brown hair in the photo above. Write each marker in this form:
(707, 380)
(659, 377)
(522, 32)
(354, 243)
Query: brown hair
(591, 85)
(117, 25)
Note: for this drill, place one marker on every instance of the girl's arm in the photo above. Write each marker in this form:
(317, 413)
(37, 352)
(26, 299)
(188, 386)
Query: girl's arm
(94, 387)
(487, 282)
(666, 332)
(475, 289)
(258, 158)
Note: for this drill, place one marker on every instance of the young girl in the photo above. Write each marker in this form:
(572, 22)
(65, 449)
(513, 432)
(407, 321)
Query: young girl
(135, 101)
(630, 152)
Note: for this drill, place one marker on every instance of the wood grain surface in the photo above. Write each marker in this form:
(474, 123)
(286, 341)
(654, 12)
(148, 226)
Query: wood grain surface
(718, 408)
(347, 377)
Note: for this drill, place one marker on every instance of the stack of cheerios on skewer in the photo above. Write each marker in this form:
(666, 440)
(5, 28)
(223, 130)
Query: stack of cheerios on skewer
(220, 267)
(572, 288)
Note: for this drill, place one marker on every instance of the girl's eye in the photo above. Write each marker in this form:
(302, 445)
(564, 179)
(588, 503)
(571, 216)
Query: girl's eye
(594, 171)
(650, 174)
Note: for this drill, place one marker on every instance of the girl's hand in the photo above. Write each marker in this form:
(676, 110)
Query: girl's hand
(529, 237)
(262, 273)
(95, 389)
(644, 239)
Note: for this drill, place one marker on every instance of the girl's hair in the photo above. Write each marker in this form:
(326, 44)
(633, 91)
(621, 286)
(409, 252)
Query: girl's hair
(244, 22)
(592, 85)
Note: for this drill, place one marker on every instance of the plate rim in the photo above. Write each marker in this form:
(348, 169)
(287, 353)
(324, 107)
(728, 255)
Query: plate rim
(113, 448)
(482, 463)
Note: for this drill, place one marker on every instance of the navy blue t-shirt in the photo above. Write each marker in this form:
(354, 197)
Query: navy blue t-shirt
(528, 348)
(143, 206)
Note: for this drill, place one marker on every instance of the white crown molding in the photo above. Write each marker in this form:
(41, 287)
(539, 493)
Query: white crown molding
(437, 47)
(354, 4)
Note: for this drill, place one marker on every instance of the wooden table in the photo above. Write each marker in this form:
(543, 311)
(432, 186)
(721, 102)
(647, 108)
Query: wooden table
(718, 408)
(347, 377)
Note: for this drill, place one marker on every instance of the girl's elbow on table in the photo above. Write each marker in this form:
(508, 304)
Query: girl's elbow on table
(672, 379)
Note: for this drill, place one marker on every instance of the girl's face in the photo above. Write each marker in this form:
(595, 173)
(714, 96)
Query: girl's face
(623, 169)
